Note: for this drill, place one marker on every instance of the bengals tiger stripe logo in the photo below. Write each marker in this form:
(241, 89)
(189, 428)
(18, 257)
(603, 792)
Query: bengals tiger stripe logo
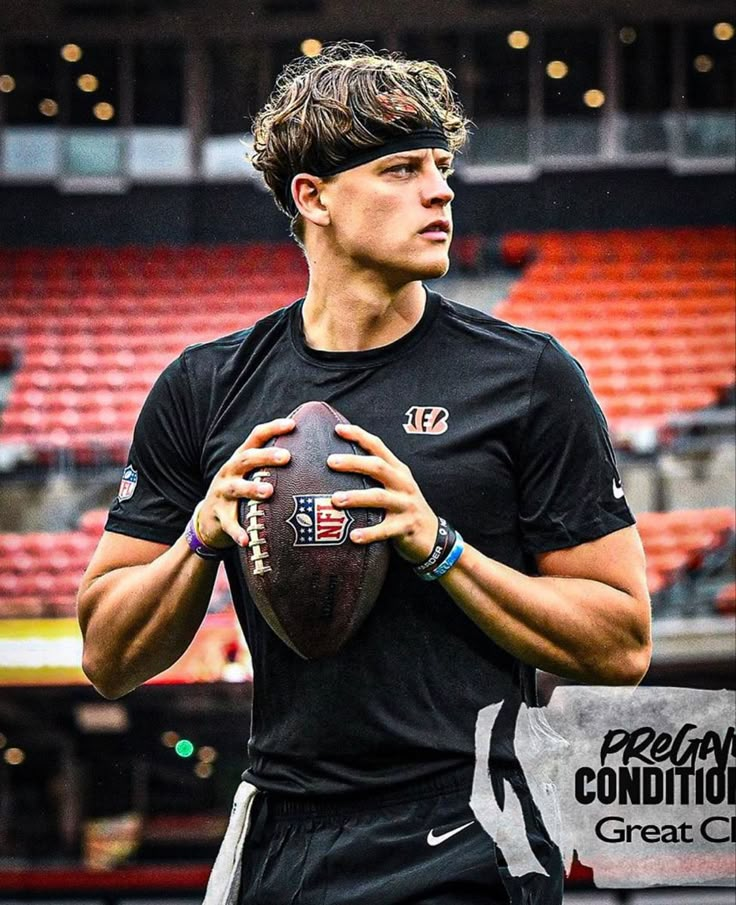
(426, 419)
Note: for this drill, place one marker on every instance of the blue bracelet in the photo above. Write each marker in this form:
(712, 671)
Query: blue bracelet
(448, 562)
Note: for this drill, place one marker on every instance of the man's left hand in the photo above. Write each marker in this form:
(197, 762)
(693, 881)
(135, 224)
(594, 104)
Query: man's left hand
(409, 523)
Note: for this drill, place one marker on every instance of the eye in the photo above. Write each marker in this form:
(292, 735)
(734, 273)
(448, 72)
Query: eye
(446, 170)
(401, 168)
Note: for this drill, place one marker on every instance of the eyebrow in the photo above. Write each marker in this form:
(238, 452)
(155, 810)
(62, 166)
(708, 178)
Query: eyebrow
(413, 157)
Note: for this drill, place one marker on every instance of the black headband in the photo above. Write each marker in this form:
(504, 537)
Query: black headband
(409, 141)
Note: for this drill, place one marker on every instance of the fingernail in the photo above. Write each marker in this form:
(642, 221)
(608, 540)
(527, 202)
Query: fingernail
(281, 455)
(356, 535)
(263, 490)
(340, 498)
(243, 540)
(335, 460)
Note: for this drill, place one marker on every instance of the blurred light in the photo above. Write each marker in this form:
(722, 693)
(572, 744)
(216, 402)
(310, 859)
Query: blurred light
(204, 771)
(556, 69)
(518, 40)
(103, 111)
(108, 717)
(3, 740)
(207, 754)
(594, 97)
(48, 107)
(88, 82)
(627, 35)
(703, 63)
(184, 748)
(14, 756)
(72, 53)
(311, 47)
(723, 31)
(169, 738)
(7, 83)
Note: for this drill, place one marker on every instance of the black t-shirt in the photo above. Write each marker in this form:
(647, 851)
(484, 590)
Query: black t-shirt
(502, 434)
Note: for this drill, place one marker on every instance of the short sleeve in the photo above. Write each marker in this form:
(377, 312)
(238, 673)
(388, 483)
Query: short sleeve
(570, 490)
(161, 483)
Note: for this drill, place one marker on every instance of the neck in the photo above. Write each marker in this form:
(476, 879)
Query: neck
(354, 312)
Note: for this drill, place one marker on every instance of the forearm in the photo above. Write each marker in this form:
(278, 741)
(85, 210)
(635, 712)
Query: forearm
(138, 620)
(573, 627)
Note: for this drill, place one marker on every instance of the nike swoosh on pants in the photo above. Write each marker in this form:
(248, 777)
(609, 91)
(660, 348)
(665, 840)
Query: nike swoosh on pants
(432, 839)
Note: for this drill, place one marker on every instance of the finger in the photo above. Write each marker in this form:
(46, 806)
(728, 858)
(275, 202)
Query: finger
(384, 530)
(262, 433)
(238, 488)
(373, 498)
(373, 466)
(251, 459)
(230, 525)
(218, 522)
(219, 512)
(369, 442)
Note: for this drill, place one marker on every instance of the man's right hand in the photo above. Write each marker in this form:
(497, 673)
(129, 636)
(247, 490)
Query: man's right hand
(217, 522)
(140, 603)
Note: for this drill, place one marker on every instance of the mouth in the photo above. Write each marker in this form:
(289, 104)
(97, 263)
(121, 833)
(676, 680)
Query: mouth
(438, 230)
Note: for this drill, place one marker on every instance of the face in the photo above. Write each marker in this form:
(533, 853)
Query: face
(393, 214)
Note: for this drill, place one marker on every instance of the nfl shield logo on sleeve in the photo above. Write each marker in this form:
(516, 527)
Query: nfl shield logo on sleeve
(128, 484)
(316, 522)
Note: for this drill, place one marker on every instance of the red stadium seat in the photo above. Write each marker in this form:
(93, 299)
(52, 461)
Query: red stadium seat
(653, 327)
(726, 600)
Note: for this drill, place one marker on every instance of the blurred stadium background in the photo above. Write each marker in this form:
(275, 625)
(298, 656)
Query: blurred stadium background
(596, 202)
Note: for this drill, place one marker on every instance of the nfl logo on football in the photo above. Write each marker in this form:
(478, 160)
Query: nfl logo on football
(128, 484)
(316, 522)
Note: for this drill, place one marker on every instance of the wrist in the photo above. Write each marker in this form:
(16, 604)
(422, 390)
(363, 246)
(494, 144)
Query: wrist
(198, 543)
(446, 551)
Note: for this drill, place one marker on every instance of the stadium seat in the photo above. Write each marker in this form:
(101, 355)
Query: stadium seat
(649, 313)
(726, 600)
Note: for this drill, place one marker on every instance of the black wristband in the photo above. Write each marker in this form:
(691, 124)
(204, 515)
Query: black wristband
(443, 544)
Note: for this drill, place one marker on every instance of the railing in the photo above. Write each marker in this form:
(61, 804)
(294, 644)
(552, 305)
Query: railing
(501, 148)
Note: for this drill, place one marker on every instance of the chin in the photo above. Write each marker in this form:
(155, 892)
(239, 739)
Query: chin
(414, 268)
(436, 269)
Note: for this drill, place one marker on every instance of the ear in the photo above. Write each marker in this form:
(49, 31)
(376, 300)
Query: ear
(306, 190)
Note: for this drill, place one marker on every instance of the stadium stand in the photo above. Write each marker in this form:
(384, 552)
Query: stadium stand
(648, 313)
(40, 572)
(104, 324)
(86, 356)
(689, 559)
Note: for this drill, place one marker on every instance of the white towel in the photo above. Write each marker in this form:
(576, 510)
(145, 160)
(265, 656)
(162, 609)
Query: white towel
(223, 886)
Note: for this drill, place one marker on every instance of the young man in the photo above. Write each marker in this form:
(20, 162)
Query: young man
(363, 761)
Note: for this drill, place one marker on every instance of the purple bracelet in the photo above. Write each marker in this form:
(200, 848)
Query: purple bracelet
(196, 544)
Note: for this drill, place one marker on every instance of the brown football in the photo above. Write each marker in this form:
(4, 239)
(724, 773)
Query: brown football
(310, 582)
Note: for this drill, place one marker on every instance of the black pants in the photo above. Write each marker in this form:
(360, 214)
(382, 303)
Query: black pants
(418, 846)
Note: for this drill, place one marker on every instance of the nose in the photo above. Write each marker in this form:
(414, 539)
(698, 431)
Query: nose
(435, 188)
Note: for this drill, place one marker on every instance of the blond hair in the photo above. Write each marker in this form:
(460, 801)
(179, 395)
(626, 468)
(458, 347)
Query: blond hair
(348, 98)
